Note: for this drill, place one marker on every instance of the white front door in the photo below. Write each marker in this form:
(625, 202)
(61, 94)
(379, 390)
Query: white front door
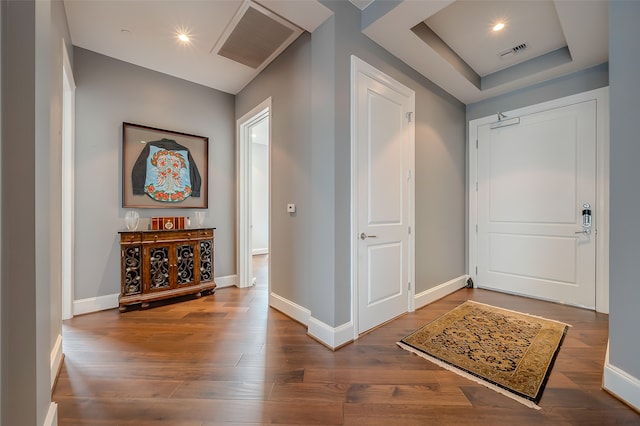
(533, 180)
(384, 159)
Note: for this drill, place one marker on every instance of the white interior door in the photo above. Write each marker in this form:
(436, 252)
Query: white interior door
(533, 179)
(384, 141)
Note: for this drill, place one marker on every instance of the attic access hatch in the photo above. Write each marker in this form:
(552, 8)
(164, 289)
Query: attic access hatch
(255, 36)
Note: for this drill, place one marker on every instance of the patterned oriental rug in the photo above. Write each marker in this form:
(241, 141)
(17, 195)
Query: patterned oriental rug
(509, 352)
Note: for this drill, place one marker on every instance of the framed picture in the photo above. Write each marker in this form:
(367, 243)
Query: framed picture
(163, 169)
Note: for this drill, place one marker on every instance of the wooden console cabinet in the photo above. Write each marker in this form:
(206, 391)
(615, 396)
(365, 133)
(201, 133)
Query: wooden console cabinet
(162, 264)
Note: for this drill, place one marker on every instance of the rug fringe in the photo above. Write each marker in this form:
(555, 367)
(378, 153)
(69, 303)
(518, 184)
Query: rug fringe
(471, 377)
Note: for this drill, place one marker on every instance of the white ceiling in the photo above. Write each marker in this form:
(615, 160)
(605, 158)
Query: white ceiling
(150, 37)
(463, 60)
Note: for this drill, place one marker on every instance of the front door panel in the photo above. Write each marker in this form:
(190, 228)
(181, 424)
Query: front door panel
(533, 179)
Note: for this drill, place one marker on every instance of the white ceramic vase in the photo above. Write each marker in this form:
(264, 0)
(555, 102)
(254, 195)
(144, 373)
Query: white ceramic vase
(199, 216)
(132, 218)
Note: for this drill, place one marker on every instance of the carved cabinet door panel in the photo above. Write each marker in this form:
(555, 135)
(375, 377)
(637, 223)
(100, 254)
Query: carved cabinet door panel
(157, 276)
(131, 258)
(206, 260)
(185, 263)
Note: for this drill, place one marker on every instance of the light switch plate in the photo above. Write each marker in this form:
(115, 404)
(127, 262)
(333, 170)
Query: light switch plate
(291, 208)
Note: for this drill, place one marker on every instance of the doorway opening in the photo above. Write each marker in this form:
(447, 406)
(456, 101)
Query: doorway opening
(254, 135)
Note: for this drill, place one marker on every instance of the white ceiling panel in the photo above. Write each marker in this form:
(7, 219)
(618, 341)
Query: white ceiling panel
(466, 27)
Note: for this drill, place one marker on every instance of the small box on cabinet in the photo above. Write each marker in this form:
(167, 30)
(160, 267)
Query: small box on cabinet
(168, 222)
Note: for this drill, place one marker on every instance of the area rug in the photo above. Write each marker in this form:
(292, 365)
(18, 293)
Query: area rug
(507, 351)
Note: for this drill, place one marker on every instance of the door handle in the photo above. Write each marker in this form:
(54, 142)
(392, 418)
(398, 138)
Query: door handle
(586, 231)
(364, 236)
(586, 215)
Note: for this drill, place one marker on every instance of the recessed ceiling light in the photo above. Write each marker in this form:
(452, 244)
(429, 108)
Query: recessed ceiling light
(499, 26)
(183, 34)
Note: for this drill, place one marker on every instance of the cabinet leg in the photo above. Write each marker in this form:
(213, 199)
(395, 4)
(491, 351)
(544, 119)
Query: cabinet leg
(144, 305)
(122, 308)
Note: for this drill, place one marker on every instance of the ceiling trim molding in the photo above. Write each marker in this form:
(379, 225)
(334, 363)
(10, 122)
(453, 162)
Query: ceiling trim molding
(583, 23)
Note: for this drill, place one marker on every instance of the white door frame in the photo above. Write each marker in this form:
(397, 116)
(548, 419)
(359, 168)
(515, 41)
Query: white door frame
(68, 185)
(358, 66)
(244, 143)
(601, 96)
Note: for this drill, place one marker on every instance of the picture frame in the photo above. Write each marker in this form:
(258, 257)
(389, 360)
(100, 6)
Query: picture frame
(149, 176)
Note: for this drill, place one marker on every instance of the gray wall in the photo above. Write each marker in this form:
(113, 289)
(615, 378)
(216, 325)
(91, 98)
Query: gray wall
(323, 173)
(32, 87)
(286, 81)
(20, 339)
(313, 79)
(1, 223)
(110, 92)
(579, 82)
(624, 68)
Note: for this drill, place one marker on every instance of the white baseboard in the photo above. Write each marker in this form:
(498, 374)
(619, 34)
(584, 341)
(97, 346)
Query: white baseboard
(440, 291)
(110, 301)
(95, 304)
(226, 281)
(52, 415)
(56, 360)
(256, 252)
(333, 337)
(290, 308)
(621, 384)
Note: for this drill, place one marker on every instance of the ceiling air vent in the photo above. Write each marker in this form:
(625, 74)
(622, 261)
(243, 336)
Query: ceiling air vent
(255, 36)
(515, 49)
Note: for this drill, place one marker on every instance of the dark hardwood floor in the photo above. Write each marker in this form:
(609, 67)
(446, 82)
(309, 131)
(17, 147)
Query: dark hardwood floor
(228, 358)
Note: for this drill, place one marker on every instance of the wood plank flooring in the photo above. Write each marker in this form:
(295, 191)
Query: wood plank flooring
(228, 358)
